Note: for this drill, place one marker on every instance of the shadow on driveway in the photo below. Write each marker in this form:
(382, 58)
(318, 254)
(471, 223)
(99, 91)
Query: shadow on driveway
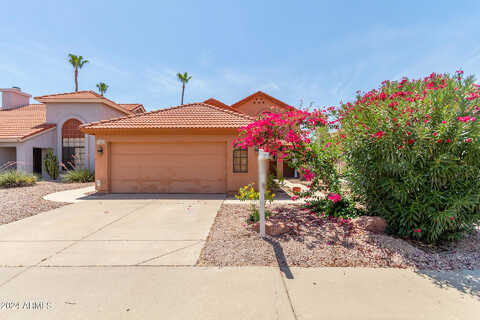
(152, 196)
(465, 281)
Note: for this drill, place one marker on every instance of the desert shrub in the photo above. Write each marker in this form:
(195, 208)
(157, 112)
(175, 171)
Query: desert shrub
(274, 183)
(412, 150)
(248, 193)
(14, 178)
(334, 206)
(51, 165)
(79, 175)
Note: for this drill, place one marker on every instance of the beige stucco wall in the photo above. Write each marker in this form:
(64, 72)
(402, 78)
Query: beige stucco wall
(13, 98)
(25, 149)
(256, 106)
(59, 113)
(7, 154)
(233, 180)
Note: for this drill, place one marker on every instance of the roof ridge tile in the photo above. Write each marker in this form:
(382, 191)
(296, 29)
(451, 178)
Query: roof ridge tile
(176, 119)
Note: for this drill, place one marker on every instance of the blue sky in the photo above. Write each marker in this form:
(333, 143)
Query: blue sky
(310, 51)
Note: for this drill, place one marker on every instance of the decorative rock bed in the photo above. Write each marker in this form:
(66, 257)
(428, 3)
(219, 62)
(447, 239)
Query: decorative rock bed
(314, 241)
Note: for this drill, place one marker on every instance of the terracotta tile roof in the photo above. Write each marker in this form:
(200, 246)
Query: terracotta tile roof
(20, 123)
(83, 95)
(257, 94)
(133, 106)
(87, 94)
(220, 104)
(194, 115)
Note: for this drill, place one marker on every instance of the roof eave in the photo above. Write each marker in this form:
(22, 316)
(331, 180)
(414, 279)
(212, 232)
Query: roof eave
(123, 131)
(24, 138)
(83, 100)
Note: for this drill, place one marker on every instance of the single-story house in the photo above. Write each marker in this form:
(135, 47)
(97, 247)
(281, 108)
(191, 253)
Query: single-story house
(189, 145)
(183, 149)
(28, 131)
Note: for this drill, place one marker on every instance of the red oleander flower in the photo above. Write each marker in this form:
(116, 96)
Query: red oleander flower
(466, 119)
(379, 134)
(334, 197)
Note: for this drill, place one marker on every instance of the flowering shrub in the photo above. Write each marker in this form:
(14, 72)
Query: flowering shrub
(334, 206)
(289, 136)
(303, 138)
(248, 193)
(412, 148)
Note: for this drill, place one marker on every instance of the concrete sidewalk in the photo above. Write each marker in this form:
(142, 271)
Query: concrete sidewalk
(134, 256)
(70, 196)
(237, 293)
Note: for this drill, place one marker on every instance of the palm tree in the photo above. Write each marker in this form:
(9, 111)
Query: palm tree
(77, 63)
(102, 87)
(183, 78)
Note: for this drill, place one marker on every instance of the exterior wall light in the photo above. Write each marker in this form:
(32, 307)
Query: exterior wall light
(100, 149)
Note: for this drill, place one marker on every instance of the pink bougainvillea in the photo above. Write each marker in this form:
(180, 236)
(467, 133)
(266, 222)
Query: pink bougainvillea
(281, 134)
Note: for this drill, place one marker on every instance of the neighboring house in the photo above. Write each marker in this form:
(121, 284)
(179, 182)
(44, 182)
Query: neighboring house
(256, 105)
(183, 149)
(28, 131)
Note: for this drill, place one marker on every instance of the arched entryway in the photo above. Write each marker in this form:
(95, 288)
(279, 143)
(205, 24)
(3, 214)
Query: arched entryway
(73, 145)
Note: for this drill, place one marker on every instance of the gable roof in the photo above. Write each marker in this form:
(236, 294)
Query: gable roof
(262, 94)
(193, 115)
(20, 123)
(134, 107)
(217, 103)
(86, 96)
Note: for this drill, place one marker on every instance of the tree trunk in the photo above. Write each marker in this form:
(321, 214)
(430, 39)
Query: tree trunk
(183, 91)
(76, 80)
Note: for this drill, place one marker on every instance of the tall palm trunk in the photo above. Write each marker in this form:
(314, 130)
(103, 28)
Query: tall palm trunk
(76, 79)
(183, 91)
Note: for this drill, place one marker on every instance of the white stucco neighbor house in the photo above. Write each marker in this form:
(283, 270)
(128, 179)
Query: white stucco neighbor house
(28, 131)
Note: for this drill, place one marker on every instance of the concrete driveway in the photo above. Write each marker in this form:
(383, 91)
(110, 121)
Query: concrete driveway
(121, 258)
(114, 231)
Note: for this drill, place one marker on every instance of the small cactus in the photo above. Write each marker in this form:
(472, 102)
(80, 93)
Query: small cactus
(51, 165)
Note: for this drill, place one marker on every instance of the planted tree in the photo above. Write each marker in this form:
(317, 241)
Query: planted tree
(183, 78)
(102, 87)
(290, 136)
(77, 62)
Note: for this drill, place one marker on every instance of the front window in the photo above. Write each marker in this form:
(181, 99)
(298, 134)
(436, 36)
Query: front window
(73, 145)
(240, 161)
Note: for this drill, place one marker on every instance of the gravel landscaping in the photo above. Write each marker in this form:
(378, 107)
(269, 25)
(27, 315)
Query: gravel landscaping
(20, 203)
(322, 242)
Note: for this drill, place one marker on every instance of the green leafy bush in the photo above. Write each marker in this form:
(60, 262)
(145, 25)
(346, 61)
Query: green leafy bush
(79, 175)
(334, 206)
(412, 150)
(51, 165)
(248, 193)
(13, 178)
